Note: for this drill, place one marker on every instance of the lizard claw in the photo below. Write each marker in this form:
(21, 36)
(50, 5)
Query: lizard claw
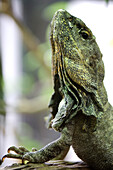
(1, 161)
(19, 152)
(10, 155)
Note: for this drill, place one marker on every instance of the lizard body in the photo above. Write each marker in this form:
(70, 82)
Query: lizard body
(79, 106)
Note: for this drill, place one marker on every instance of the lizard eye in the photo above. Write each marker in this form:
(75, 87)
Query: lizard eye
(84, 34)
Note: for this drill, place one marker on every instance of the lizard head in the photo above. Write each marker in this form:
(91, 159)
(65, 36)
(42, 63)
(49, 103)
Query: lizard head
(74, 42)
(77, 67)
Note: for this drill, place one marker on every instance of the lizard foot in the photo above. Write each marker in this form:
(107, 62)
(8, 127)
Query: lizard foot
(20, 153)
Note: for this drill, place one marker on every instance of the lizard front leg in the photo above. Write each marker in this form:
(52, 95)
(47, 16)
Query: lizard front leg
(56, 149)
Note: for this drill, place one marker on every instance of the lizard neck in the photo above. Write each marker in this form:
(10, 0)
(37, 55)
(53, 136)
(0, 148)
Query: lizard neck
(102, 94)
(94, 103)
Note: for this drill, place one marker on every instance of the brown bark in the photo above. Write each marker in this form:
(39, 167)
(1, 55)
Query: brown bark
(51, 165)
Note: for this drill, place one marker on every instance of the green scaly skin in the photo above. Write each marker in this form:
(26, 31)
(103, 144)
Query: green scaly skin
(79, 106)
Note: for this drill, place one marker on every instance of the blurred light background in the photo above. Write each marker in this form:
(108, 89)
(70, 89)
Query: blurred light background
(25, 65)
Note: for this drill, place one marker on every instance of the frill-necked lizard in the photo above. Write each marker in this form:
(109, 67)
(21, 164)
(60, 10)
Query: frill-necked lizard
(79, 106)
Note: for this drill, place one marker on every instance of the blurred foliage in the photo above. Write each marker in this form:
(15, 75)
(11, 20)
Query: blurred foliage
(25, 137)
(51, 9)
(34, 71)
(2, 103)
(107, 1)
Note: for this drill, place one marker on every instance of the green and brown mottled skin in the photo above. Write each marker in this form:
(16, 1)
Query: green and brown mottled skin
(79, 106)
